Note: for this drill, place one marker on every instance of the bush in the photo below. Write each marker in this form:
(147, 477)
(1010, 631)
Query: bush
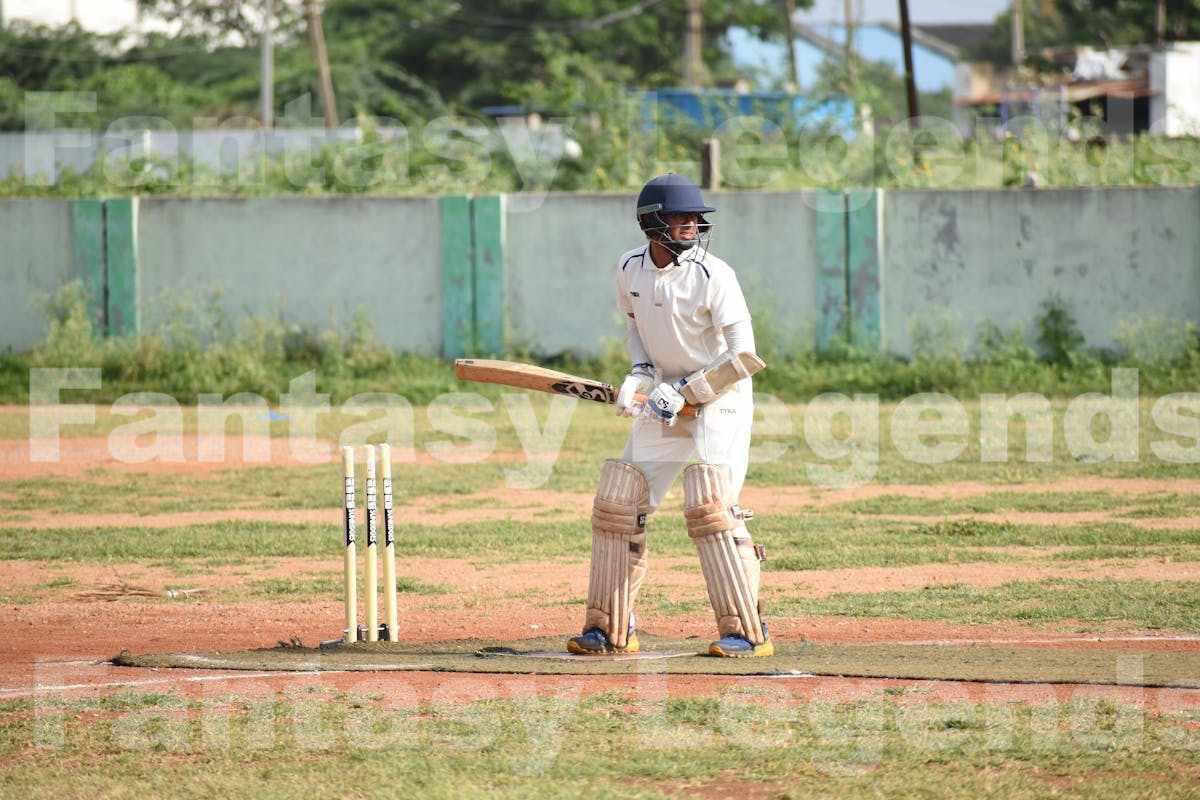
(1058, 334)
(195, 350)
(1155, 340)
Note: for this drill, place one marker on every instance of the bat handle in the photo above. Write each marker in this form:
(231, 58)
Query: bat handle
(686, 411)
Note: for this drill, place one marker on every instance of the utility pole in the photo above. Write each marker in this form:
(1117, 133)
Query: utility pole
(317, 36)
(73, 6)
(789, 11)
(267, 96)
(1018, 33)
(1160, 23)
(851, 72)
(693, 45)
(910, 82)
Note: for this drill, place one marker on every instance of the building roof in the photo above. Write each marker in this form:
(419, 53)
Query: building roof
(966, 37)
(955, 42)
(1074, 93)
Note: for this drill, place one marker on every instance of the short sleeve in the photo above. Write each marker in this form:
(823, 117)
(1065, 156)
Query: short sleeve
(623, 301)
(725, 300)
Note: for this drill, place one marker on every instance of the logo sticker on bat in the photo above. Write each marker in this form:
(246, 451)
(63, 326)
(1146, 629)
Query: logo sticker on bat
(600, 394)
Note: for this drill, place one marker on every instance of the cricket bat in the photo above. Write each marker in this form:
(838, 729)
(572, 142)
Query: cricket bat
(540, 379)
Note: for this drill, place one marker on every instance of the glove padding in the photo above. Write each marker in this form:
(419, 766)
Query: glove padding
(665, 402)
(637, 382)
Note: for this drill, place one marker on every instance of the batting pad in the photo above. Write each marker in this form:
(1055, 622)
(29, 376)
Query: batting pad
(618, 549)
(727, 558)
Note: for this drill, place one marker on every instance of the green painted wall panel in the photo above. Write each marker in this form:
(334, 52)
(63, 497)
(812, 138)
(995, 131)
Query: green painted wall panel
(488, 238)
(458, 290)
(87, 241)
(124, 285)
(864, 239)
(832, 302)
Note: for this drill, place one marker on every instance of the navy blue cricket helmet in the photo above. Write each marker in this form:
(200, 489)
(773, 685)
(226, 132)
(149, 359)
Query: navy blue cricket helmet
(672, 194)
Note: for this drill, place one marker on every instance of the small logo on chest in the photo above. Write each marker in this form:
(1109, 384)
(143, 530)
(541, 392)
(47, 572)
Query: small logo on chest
(635, 294)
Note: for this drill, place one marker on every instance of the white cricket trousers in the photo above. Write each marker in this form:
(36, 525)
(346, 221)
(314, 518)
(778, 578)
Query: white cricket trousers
(719, 435)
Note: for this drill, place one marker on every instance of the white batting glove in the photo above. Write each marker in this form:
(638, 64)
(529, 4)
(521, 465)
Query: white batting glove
(639, 381)
(665, 402)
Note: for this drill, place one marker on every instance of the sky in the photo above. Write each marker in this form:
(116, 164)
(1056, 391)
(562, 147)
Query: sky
(100, 15)
(106, 15)
(920, 10)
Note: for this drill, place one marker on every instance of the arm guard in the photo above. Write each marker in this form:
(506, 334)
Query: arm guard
(705, 385)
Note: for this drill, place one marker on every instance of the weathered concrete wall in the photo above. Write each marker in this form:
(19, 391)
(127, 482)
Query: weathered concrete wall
(36, 259)
(975, 255)
(997, 255)
(561, 259)
(306, 260)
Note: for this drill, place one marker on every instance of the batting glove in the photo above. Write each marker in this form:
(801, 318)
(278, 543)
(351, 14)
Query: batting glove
(665, 402)
(638, 381)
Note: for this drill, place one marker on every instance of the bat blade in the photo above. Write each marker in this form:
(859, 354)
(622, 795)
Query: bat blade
(540, 379)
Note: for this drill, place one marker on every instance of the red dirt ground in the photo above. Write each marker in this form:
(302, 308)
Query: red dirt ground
(51, 641)
(80, 454)
(36, 639)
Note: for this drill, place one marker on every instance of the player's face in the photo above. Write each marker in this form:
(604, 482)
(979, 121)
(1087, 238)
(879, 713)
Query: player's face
(683, 227)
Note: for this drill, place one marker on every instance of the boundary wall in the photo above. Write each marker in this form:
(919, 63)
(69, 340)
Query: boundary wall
(491, 274)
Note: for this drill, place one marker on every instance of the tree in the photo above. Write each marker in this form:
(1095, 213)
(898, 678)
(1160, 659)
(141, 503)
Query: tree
(471, 50)
(1097, 23)
(42, 58)
(228, 21)
(403, 60)
(878, 85)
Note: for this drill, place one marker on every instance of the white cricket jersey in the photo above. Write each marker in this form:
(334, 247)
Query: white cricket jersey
(680, 309)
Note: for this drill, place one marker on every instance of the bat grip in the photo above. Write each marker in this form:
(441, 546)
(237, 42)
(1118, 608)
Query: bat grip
(686, 411)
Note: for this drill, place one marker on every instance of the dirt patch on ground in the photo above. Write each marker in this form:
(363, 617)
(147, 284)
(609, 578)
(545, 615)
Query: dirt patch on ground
(190, 454)
(540, 585)
(496, 601)
(1051, 519)
(951, 491)
(50, 642)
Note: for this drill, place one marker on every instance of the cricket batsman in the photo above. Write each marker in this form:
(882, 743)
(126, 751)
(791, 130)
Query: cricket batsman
(691, 343)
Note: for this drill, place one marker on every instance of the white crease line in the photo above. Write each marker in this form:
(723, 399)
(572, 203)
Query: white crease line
(1045, 641)
(62, 687)
(778, 675)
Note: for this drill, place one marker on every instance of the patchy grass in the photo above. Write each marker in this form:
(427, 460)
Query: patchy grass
(658, 603)
(772, 744)
(991, 503)
(256, 488)
(60, 582)
(1164, 505)
(794, 542)
(1173, 605)
(1160, 505)
(330, 587)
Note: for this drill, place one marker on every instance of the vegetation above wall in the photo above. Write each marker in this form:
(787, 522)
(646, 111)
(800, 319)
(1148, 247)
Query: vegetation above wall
(201, 351)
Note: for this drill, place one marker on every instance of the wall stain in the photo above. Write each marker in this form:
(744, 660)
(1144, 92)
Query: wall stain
(947, 235)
